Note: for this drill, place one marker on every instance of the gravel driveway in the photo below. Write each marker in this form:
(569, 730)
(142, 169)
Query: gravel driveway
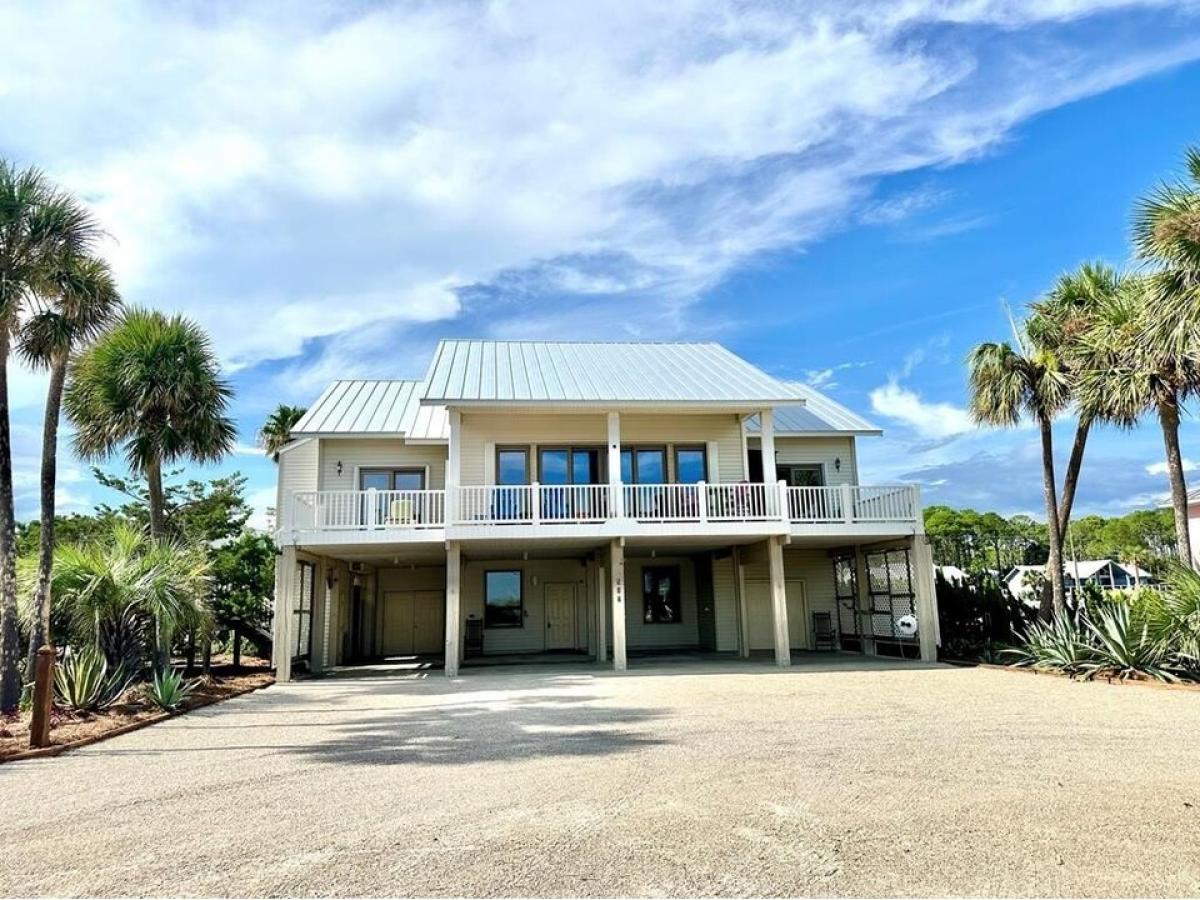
(840, 776)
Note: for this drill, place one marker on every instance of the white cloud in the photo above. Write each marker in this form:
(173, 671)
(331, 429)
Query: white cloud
(931, 420)
(1160, 468)
(296, 172)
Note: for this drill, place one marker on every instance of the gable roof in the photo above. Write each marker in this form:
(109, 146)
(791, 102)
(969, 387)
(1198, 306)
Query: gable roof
(548, 372)
(348, 408)
(818, 415)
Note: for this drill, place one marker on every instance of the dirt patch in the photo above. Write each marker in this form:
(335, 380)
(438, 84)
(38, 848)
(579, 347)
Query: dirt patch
(68, 728)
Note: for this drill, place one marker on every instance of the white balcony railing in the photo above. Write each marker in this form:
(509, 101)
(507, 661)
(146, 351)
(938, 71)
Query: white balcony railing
(368, 510)
(542, 504)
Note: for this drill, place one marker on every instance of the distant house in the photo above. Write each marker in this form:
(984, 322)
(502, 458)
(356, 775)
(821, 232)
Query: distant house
(1107, 574)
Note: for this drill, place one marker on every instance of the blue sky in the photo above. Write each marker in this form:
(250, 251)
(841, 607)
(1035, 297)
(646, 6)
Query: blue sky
(843, 192)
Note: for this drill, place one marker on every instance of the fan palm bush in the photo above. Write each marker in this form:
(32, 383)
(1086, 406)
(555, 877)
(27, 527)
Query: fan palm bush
(1172, 615)
(118, 591)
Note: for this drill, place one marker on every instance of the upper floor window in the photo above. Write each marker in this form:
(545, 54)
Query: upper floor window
(691, 464)
(512, 465)
(569, 465)
(644, 465)
(801, 475)
(409, 479)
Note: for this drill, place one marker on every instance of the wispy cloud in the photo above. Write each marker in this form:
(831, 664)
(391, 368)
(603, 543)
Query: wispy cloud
(1160, 468)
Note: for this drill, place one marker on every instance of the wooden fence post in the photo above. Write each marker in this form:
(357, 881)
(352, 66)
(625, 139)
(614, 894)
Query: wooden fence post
(43, 696)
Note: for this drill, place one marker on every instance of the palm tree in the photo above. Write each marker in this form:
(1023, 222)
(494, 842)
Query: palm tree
(78, 301)
(1008, 383)
(1060, 321)
(152, 386)
(1166, 236)
(1133, 371)
(277, 430)
(39, 226)
(109, 589)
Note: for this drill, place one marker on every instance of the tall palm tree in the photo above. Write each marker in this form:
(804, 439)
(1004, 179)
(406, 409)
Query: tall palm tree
(79, 299)
(1008, 383)
(277, 430)
(1133, 371)
(39, 225)
(1166, 235)
(1059, 325)
(151, 386)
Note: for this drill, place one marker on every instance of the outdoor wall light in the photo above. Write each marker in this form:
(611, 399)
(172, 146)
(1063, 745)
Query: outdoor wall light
(339, 467)
(837, 464)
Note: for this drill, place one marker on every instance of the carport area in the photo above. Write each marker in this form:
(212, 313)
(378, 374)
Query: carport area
(842, 775)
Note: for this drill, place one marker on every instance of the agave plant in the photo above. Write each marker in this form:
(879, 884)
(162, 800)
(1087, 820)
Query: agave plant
(169, 689)
(1125, 646)
(83, 682)
(1059, 644)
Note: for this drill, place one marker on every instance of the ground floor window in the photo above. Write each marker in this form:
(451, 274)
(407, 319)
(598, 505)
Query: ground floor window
(661, 595)
(503, 599)
(302, 647)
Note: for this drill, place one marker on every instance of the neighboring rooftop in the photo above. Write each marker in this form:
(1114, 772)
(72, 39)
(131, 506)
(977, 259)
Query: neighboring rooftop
(547, 372)
(348, 408)
(818, 415)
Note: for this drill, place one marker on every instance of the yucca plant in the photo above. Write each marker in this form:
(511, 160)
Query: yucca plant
(1059, 644)
(1124, 646)
(83, 682)
(169, 689)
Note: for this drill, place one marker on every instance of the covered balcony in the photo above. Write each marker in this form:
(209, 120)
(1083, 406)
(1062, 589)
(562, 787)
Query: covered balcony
(539, 511)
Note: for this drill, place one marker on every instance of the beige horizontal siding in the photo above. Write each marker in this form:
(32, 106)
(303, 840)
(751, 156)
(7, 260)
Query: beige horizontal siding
(823, 451)
(378, 453)
(298, 471)
(725, 598)
(536, 574)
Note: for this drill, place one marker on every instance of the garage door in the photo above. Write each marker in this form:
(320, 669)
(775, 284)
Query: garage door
(413, 622)
(761, 621)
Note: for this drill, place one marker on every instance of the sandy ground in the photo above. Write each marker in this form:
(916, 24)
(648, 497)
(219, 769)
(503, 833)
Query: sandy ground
(846, 777)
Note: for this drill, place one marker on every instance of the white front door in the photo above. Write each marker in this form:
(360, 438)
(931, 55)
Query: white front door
(560, 616)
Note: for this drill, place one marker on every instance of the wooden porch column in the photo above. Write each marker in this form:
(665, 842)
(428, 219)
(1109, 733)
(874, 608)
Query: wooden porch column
(739, 588)
(614, 465)
(925, 591)
(282, 624)
(453, 608)
(766, 440)
(617, 592)
(779, 610)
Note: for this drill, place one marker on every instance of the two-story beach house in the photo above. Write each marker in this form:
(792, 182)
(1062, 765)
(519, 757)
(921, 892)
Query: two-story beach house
(589, 500)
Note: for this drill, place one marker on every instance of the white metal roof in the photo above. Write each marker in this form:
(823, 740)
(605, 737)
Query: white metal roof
(818, 415)
(546, 372)
(374, 407)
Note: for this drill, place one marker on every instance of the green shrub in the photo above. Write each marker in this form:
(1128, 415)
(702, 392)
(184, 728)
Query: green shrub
(1172, 613)
(169, 690)
(83, 682)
